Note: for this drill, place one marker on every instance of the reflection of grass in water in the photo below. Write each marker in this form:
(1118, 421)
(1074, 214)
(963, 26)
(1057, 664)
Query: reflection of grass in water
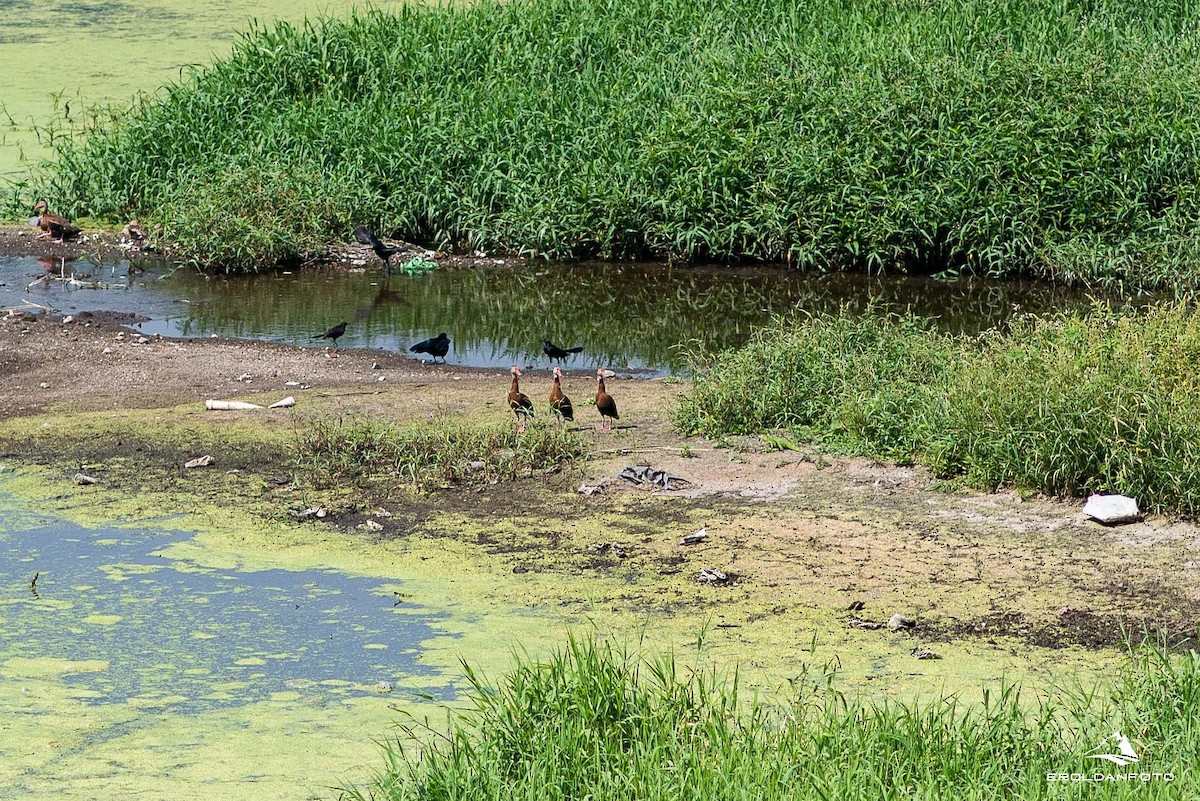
(621, 315)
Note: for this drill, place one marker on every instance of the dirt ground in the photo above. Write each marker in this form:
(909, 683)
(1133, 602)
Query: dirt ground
(792, 537)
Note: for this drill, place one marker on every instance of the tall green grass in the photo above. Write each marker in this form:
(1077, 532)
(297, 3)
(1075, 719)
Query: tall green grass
(593, 723)
(995, 136)
(1065, 404)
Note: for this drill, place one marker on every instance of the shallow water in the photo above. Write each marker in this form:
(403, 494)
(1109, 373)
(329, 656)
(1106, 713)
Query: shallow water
(630, 317)
(201, 636)
(129, 669)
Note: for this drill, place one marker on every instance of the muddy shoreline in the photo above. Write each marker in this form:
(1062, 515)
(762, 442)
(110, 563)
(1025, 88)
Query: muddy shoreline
(108, 245)
(805, 537)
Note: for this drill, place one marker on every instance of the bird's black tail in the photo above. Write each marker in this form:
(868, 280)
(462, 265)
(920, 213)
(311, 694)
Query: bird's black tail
(364, 235)
(574, 350)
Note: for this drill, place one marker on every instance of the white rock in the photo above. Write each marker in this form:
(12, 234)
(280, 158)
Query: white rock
(1112, 510)
(201, 461)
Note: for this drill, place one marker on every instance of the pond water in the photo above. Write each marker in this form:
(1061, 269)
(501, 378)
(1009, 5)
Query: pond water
(629, 317)
(198, 636)
(130, 669)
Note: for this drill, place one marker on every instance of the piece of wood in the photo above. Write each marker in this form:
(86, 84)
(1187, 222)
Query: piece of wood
(230, 406)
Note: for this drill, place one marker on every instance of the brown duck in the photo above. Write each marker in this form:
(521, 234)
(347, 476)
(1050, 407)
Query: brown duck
(604, 402)
(518, 401)
(560, 404)
(53, 225)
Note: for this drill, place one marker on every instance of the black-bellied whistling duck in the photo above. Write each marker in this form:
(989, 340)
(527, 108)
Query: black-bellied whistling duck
(560, 404)
(604, 402)
(437, 347)
(518, 401)
(134, 233)
(53, 224)
(384, 252)
(332, 334)
(555, 352)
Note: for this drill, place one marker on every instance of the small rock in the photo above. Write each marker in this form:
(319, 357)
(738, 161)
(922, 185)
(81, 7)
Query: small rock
(695, 537)
(901, 623)
(245, 377)
(1112, 510)
(921, 652)
(372, 525)
(291, 383)
(108, 350)
(143, 341)
(588, 490)
(476, 466)
(82, 480)
(70, 318)
(312, 512)
(381, 378)
(44, 385)
(120, 335)
(199, 461)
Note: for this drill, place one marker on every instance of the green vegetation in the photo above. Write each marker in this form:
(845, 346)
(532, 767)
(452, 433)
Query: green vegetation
(593, 723)
(1064, 404)
(1057, 139)
(333, 449)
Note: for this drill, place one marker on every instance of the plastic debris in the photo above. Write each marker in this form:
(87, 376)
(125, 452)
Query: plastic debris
(1112, 510)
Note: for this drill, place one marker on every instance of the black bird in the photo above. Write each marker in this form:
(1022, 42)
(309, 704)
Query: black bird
(384, 252)
(332, 333)
(555, 352)
(436, 347)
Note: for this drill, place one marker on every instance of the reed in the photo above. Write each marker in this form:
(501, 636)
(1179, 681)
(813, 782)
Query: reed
(1065, 404)
(593, 722)
(997, 137)
(332, 450)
